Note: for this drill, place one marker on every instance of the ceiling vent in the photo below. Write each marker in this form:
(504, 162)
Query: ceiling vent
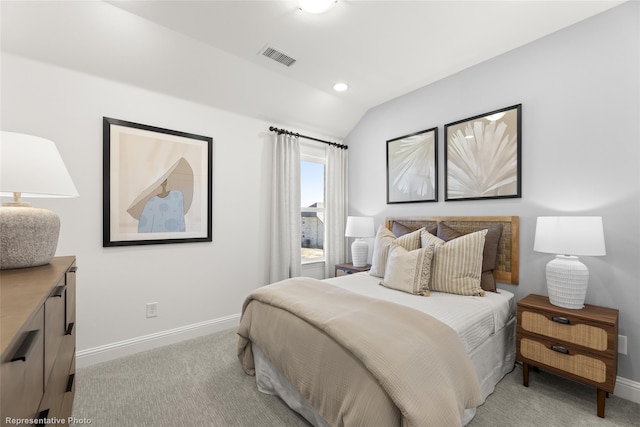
(278, 56)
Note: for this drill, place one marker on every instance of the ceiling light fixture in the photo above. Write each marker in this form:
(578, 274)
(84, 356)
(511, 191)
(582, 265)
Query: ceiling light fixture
(340, 87)
(316, 6)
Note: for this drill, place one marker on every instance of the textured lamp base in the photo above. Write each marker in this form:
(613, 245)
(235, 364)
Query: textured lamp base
(567, 281)
(28, 236)
(359, 252)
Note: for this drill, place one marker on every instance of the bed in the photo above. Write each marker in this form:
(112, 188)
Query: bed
(382, 347)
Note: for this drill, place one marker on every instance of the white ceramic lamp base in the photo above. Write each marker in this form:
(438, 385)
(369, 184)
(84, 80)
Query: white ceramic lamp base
(567, 281)
(28, 236)
(359, 252)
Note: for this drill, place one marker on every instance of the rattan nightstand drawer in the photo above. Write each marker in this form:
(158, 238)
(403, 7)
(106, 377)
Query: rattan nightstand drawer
(568, 329)
(565, 359)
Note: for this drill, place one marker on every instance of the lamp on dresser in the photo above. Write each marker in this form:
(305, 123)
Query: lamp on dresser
(30, 166)
(569, 237)
(359, 227)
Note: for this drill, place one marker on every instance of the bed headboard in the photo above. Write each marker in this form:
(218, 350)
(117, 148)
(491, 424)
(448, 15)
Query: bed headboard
(507, 268)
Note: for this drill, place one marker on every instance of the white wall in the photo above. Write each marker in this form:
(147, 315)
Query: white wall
(198, 286)
(580, 95)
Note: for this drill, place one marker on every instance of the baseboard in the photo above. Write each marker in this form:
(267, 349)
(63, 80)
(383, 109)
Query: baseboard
(107, 352)
(627, 389)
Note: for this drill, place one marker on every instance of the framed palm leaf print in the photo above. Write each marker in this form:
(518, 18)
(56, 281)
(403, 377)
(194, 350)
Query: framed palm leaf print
(482, 156)
(412, 167)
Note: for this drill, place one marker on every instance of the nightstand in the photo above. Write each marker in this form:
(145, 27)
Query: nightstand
(578, 344)
(348, 268)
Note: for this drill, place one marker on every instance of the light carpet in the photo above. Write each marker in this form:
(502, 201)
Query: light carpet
(199, 382)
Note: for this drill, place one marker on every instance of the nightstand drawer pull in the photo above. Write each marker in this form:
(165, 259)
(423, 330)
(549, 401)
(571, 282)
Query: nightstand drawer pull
(559, 349)
(559, 319)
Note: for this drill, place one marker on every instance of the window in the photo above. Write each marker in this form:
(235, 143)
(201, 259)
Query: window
(312, 207)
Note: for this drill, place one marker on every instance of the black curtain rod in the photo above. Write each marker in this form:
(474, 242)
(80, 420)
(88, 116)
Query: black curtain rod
(281, 131)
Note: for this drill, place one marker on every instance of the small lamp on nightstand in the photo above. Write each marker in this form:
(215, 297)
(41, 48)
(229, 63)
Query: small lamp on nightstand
(30, 166)
(567, 277)
(359, 227)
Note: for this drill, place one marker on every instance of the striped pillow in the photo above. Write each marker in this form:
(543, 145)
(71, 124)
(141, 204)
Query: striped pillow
(457, 264)
(408, 271)
(383, 241)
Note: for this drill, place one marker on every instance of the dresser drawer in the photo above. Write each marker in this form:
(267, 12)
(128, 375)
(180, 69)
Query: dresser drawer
(67, 401)
(54, 314)
(58, 385)
(70, 303)
(586, 366)
(568, 329)
(22, 373)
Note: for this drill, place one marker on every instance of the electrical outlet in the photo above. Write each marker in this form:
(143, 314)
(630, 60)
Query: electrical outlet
(622, 344)
(152, 309)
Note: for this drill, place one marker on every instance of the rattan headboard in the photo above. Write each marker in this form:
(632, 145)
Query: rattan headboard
(507, 269)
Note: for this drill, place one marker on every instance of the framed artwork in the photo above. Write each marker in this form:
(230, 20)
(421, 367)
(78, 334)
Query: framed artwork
(157, 185)
(412, 167)
(482, 156)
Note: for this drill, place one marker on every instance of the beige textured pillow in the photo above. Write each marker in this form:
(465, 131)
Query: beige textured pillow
(457, 264)
(383, 241)
(408, 271)
(489, 255)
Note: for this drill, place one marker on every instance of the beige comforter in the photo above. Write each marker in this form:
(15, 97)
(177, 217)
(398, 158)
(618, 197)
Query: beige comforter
(359, 360)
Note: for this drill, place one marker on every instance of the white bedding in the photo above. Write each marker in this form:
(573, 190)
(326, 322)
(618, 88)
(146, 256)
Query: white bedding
(473, 318)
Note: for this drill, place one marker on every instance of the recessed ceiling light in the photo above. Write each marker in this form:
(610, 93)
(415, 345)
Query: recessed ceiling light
(316, 6)
(340, 87)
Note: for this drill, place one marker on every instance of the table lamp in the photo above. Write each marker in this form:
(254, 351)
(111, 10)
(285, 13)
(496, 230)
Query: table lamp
(30, 166)
(359, 227)
(569, 236)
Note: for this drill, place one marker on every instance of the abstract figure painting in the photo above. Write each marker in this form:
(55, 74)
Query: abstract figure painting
(162, 205)
(412, 167)
(482, 156)
(157, 185)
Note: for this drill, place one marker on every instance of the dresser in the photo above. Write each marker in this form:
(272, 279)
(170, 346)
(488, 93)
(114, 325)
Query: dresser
(578, 344)
(38, 342)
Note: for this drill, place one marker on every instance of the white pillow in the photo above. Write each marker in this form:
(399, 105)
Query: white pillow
(457, 264)
(383, 241)
(408, 271)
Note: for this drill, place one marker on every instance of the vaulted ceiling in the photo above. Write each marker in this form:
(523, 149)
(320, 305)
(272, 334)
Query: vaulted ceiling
(211, 51)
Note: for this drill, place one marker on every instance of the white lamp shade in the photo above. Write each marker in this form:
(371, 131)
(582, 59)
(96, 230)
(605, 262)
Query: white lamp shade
(570, 235)
(359, 226)
(32, 166)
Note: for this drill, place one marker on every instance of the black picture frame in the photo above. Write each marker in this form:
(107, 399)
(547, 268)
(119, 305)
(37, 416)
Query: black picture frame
(412, 167)
(482, 156)
(157, 185)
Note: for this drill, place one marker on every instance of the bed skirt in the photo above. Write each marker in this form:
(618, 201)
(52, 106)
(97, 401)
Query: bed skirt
(492, 360)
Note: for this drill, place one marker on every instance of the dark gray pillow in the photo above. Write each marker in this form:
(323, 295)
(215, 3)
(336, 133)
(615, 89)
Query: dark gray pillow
(400, 229)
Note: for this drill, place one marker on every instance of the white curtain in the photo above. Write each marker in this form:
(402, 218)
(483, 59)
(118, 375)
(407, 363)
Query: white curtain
(285, 260)
(335, 245)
